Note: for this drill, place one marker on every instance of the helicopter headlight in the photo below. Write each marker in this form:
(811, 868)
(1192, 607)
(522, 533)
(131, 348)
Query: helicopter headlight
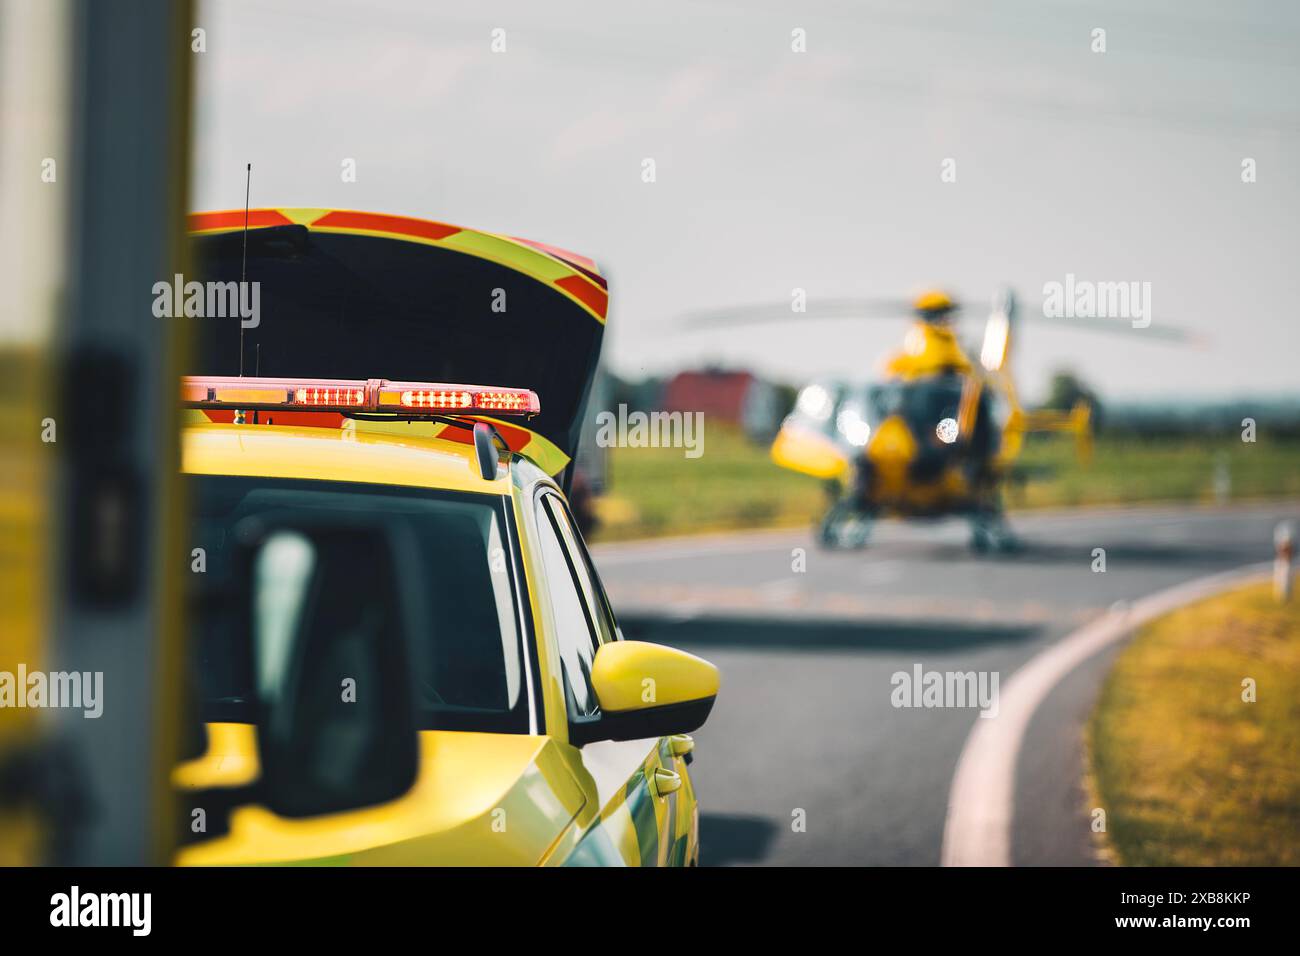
(946, 430)
(852, 426)
(815, 402)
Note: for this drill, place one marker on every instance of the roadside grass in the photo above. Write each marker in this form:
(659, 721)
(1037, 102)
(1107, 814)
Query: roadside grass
(1127, 468)
(734, 485)
(1188, 773)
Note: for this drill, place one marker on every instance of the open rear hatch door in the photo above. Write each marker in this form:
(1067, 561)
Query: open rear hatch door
(355, 295)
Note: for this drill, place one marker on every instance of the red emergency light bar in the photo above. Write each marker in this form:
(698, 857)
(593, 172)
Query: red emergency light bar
(407, 399)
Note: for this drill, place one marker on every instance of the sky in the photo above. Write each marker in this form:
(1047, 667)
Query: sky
(820, 170)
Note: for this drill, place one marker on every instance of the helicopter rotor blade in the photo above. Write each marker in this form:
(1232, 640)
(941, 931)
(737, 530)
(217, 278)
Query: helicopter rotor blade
(894, 308)
(1158, 329)
(784, 312)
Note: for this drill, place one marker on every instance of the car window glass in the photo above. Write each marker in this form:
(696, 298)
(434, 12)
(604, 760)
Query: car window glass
(591, 591)
(468, 674)
(573, 633)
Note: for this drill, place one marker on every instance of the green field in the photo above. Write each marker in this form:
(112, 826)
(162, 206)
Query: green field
(734, 485)
(1188, 772)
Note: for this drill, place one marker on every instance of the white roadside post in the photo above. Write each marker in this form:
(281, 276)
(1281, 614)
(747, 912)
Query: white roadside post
(1283, 552)
(1222, 479)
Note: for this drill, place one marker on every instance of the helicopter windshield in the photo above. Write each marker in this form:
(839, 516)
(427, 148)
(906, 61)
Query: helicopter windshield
(921, 403)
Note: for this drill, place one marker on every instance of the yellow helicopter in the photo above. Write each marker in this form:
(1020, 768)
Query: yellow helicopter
(937, 436)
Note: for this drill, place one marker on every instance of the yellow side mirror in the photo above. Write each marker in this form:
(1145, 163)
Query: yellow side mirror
(647, 690)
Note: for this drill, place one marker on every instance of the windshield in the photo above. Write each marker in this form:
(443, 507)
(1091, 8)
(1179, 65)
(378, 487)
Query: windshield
(469, 675)
(922, 404)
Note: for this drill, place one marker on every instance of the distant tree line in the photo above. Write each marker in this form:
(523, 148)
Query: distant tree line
(1279, 417)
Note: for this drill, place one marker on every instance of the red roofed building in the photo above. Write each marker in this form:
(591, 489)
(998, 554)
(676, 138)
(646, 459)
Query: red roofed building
(735, 397)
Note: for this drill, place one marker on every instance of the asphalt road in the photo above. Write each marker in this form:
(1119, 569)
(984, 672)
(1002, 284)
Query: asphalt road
(804, 731)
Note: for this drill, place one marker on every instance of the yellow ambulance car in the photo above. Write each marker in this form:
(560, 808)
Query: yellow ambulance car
(428, 380)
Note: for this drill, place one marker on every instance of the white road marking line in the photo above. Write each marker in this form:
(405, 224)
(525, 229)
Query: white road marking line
(675, 549)
(977, 831)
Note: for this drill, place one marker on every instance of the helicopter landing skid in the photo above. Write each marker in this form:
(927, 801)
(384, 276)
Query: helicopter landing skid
(989, 531)
(845, 527)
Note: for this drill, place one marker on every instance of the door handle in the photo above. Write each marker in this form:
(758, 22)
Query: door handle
(681, 744)
(666, 782)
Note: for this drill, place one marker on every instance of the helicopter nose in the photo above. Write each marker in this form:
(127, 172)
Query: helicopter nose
(892, 441)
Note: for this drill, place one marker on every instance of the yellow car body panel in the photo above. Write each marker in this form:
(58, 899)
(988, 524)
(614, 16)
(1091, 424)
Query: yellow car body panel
(480, 798)
(229, 761)
(334, 454)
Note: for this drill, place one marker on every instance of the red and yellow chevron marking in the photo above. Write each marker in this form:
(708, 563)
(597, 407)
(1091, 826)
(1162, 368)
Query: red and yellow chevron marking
(574, 276)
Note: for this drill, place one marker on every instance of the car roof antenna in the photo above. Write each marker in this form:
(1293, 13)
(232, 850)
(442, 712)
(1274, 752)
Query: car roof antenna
(243, 266)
